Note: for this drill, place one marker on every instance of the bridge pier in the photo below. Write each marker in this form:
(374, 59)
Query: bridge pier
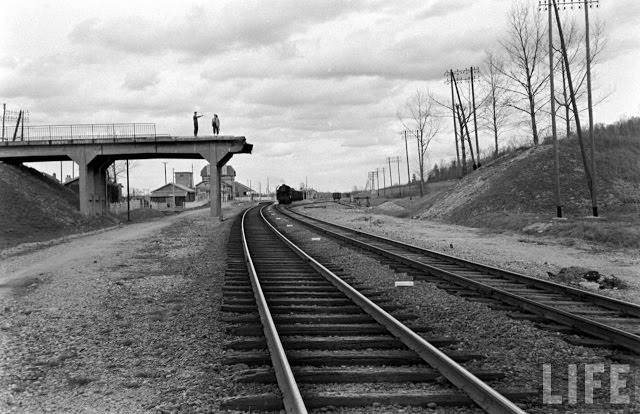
(92, 183)
(217, 158)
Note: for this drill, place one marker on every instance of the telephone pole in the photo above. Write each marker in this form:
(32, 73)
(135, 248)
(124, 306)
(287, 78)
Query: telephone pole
(554, 130)
(165, 172)
(475, 122)
(384, 182)
(586, 5)
(453, 110)
(464, 75)
(390, 177)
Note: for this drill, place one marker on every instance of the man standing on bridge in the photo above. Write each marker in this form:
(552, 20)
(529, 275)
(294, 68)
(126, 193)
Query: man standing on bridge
(215, 123)
(195, 123)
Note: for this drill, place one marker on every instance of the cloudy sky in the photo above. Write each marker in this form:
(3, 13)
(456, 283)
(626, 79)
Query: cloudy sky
(314, 85)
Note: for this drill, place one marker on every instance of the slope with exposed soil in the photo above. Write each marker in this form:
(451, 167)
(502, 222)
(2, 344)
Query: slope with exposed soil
(517, 191)
(34, 207)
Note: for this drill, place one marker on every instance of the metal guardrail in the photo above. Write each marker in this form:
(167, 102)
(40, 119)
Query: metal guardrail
(78, 131)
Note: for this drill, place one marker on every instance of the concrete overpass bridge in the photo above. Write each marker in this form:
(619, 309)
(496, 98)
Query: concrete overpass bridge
(94, 149)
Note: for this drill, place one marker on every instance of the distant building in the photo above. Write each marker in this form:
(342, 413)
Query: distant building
(114, 189)
(228, 183)
(240, 190)
(184, 179)
(172, 195)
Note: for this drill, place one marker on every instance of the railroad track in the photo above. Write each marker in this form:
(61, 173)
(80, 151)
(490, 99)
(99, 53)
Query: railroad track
(325, 343)
(605, 321)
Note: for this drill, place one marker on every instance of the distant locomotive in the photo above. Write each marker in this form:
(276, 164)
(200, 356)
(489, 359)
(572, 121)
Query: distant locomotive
(286, 194)
(336, 196)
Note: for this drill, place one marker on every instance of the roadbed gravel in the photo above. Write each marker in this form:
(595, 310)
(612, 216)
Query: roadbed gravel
(515, 347)
(522, 253)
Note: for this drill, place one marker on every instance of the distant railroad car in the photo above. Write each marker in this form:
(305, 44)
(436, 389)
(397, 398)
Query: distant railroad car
(297, 195)
(284, 194)
(337, 196)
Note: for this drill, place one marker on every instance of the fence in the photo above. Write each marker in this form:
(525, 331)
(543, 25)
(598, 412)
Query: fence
(79, 131)
(121, 207)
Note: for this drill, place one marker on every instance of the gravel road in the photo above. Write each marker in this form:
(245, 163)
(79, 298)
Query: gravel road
(119, 321)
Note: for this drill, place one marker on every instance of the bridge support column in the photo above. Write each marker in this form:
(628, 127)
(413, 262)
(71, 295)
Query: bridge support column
(217, 158)
(92, 183)
(215, 185)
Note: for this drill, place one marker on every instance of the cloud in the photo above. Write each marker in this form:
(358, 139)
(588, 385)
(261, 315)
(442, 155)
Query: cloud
(442, 8)
(208, 31)
(9, 62)
(138, 81)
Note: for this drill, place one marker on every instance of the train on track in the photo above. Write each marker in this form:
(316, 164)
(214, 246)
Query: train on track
(286, 194)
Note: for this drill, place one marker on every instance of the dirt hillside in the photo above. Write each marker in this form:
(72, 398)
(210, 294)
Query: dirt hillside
(34, 207)
(522, 183)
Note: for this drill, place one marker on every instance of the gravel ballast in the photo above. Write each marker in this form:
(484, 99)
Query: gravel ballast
(515, 347)
(530, 255)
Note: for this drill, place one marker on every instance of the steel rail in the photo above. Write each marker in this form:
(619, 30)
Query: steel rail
(607, 302)
(291, 397)
(483, 395)
(586, 325)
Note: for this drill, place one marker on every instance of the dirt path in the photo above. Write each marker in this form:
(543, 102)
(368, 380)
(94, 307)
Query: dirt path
(23, 270)
(118, 321)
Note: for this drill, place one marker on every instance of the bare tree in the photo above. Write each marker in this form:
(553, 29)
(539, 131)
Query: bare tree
(419, 115)
(119, 169)
(494, 113)
(524, 50)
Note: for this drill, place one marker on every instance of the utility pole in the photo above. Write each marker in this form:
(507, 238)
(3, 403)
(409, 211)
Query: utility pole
(463, 125)
(61, 179)
(384, 183)
(128, 195)
(4, 111)
(390, 177)
(378, 182)
(165, 172)
(594, 192)
(453, 110)
(399, 185)
(586, 4)
(464, 75)
(475, 122)
(406, 149)
(554, 130)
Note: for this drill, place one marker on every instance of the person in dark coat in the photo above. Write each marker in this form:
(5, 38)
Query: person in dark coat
(215, 123)
(195, 123)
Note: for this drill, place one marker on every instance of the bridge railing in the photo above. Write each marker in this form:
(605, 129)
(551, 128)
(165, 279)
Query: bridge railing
(78, 131)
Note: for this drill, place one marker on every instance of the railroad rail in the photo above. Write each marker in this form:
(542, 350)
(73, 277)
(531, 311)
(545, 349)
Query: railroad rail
(613, 322)
(319, 329)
